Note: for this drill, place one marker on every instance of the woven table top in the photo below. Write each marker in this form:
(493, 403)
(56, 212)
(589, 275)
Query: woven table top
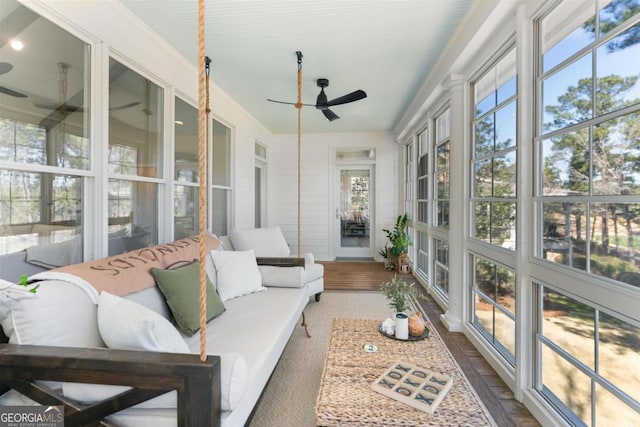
(346, 398)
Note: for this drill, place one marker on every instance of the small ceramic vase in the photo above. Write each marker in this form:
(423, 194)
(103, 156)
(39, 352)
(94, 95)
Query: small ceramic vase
(416, 324)
(402, 326)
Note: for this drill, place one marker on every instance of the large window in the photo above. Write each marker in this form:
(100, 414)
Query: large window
(587, 205)
(588, 360)
(494, 305)
(45, 154)
(136, 120)
(423, 177)
(409, 178)
(221, 203)
(442, 170)
(588, 144)
(186, 193)
(494, 155)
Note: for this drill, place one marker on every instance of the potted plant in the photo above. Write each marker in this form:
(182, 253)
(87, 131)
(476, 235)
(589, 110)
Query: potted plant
(398, 291)
(398, 245)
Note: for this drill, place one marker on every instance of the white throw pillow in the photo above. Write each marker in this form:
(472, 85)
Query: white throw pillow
(237, 273)
(127, 325)
(265, 242)
(58, 314)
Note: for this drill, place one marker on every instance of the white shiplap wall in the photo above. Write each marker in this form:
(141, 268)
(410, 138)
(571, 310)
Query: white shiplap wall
(317, 164)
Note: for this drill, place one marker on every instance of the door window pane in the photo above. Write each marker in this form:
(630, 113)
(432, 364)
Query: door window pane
(354, 208)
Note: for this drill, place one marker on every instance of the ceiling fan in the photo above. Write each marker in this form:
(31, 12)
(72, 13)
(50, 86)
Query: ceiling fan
(65, 108)
(5, 67)
(323, 104)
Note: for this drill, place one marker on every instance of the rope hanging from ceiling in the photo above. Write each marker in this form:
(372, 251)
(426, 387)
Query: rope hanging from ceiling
(298, 106)
(203, 114)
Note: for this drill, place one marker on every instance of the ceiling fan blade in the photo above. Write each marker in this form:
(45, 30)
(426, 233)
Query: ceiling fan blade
(122, 107)
(5, 67)
(10, 92)
(59, 107)
(330, 115)
(351, 97)
(289, 103)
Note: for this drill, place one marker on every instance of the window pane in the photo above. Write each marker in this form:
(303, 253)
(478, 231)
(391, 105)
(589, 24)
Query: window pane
(423, 188)
(494, 287)
(185, 210)
(441, 265)
(221, 154)
(611, 411)
(615, 12)
(483, 178)
(566, 30)
(571, 325)
(423, 211)
(133, 213)
(619, 347)
(484, 136)
(220, 212)
(564, 233)
(503, 221)
(615, 156)
(42, 213)
(509, 88)
(565, 160)
(45, 101)
(186, 145)
(482, 221)
(423, 252)
(443, 214)
(506, 126)
(567, 383)
(504, 175)
(567, 95)
(617, 72)
(135, 123)
(612, 241)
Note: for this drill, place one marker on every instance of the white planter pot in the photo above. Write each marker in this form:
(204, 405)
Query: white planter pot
(402, 326)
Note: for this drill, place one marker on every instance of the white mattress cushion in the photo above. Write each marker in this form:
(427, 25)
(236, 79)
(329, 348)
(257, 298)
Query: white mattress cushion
(257, 326)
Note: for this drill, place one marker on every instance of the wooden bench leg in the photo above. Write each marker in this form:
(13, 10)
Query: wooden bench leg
(304, 323)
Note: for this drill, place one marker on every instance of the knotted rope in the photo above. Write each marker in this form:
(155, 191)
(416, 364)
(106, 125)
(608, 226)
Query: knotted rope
(202, 169)
(298, 106)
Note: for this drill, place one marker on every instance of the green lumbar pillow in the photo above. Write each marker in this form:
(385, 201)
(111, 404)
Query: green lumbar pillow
(181, 288)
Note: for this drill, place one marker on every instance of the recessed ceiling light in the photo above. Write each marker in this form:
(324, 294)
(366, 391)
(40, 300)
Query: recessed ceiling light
(16, 45)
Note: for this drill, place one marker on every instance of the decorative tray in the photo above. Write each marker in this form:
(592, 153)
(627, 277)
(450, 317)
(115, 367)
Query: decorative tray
(424, 335)
(421, 388)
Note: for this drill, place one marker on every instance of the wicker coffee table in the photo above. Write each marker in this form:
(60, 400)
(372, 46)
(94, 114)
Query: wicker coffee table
(346, 398)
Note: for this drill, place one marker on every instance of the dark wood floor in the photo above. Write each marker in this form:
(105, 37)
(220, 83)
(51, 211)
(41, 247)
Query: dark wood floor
(494, 393)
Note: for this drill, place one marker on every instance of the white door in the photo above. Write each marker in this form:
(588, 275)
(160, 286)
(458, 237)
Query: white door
(353, 195)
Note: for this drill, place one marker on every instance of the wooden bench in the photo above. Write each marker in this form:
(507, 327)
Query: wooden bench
(149, 374)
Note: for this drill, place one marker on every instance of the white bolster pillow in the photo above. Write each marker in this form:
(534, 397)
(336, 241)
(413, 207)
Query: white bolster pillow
(282, 277)
(234, 379)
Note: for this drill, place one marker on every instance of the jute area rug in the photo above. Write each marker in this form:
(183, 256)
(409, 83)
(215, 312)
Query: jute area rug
(291, 394)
